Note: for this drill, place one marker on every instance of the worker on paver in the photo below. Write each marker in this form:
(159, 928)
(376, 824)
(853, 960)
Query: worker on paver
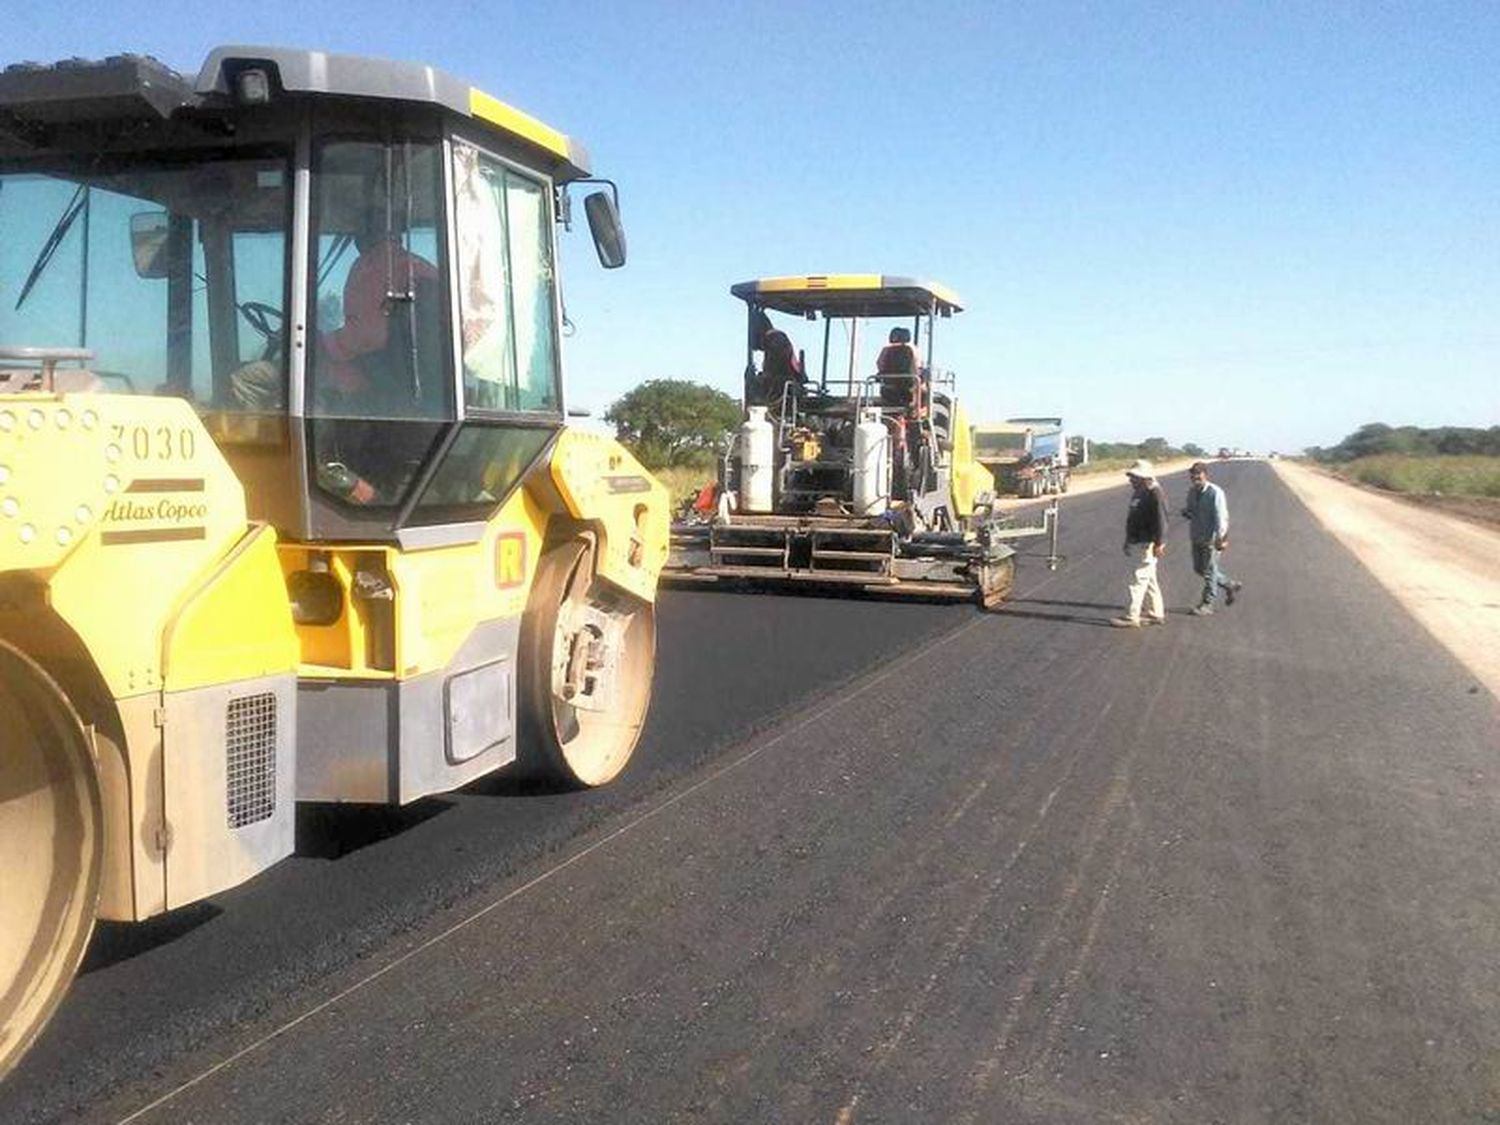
(782, 367)
(1145, 543)
(1207, 513)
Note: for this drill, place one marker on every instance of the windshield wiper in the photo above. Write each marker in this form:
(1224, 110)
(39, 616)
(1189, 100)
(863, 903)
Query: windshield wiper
(341, 243)
(65, 223)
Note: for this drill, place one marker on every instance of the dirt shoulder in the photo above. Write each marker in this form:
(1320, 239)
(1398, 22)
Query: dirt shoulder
(1484, 510)
(1443, 568)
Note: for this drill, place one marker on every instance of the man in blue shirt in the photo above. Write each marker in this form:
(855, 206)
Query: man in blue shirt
(1207, 513)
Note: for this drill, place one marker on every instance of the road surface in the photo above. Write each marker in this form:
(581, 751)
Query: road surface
(890, 863)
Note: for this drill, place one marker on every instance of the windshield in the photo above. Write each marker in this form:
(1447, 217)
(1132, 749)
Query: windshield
(1045, 445)
(172, 272)
(1013, 445)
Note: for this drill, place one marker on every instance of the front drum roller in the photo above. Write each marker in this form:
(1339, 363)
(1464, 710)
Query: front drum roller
(587, 654)
(51, 841)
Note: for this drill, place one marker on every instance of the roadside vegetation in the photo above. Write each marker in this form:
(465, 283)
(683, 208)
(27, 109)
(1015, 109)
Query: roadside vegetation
(1440, 461)
(685, 481)
(676, 428)
(1431, 476)
(1117, 456)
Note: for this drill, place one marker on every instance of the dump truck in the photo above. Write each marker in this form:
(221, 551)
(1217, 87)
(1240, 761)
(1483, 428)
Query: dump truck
(859, 479)
(289, 510)
(1029, 457)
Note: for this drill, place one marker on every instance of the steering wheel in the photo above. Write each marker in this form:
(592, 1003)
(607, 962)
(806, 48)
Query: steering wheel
(264, 319)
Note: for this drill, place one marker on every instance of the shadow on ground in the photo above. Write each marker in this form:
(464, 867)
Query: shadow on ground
(120, 941)
(329, 831)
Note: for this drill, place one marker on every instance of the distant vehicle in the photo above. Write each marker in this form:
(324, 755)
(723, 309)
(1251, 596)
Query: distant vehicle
(1029, 457)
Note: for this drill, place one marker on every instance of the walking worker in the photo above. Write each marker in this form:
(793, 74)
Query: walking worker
(1145, 543)
(1207, 513)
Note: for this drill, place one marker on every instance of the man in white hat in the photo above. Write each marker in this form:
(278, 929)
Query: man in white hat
(1145, 542)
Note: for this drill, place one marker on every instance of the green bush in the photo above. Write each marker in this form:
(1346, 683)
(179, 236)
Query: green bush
(1448, 475)
(675, 423)
(1376, 439)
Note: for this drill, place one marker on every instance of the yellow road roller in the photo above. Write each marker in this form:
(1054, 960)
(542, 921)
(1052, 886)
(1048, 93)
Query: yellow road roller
(288, 506)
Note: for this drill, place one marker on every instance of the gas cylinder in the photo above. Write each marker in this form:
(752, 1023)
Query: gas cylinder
(872, 465)
(755, 449)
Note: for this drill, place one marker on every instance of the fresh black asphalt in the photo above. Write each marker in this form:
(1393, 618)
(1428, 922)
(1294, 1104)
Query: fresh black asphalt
(890, 862)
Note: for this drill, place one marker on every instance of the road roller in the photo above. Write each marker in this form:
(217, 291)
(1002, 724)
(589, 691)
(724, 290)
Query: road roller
(290, 509)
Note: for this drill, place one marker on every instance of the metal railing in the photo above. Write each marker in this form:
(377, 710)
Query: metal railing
(46, 360)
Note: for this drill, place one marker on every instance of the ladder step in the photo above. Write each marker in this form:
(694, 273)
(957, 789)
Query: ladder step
(769, 551)
(852, 556)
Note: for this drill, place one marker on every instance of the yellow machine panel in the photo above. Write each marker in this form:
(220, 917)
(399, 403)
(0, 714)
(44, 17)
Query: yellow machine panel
(597, 477)
(122, 495)
(227, 628)
(971, 480)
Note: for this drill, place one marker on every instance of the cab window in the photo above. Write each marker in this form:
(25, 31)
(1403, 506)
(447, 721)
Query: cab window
(479, 470)
(172, 271)
(379, 386)
(507, 285)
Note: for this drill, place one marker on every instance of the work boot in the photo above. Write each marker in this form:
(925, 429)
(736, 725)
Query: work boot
(1230, 591)
(1204, 610)
(1125, 622)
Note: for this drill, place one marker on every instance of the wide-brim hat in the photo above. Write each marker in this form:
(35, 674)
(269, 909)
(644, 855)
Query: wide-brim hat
(1142, 469)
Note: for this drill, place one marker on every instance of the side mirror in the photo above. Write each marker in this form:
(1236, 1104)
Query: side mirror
(148, 243)
(604, 224)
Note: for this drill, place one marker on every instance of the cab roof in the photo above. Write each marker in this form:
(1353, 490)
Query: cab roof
(849, 294)
(35, 96)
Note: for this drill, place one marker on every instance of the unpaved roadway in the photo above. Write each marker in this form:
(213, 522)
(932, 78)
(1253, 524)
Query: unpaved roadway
(892, 863)
(1444, 570)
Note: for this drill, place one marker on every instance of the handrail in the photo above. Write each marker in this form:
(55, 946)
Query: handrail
(49, 358)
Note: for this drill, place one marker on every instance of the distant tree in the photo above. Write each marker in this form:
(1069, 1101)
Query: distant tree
(1192, 449)
(1377, 438)
(1154, 449)
(1367, 441)
(674, 422)
(1458, 440)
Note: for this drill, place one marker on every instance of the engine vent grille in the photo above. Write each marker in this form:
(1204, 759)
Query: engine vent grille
(250, 747)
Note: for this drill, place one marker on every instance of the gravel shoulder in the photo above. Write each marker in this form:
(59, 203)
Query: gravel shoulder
(1445, 570)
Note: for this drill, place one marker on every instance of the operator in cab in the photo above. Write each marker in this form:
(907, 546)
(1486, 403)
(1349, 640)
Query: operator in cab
(780, 367)
(354, 352)
(364, 377)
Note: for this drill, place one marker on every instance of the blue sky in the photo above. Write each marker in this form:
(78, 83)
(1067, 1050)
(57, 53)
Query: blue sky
(1247, 225)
